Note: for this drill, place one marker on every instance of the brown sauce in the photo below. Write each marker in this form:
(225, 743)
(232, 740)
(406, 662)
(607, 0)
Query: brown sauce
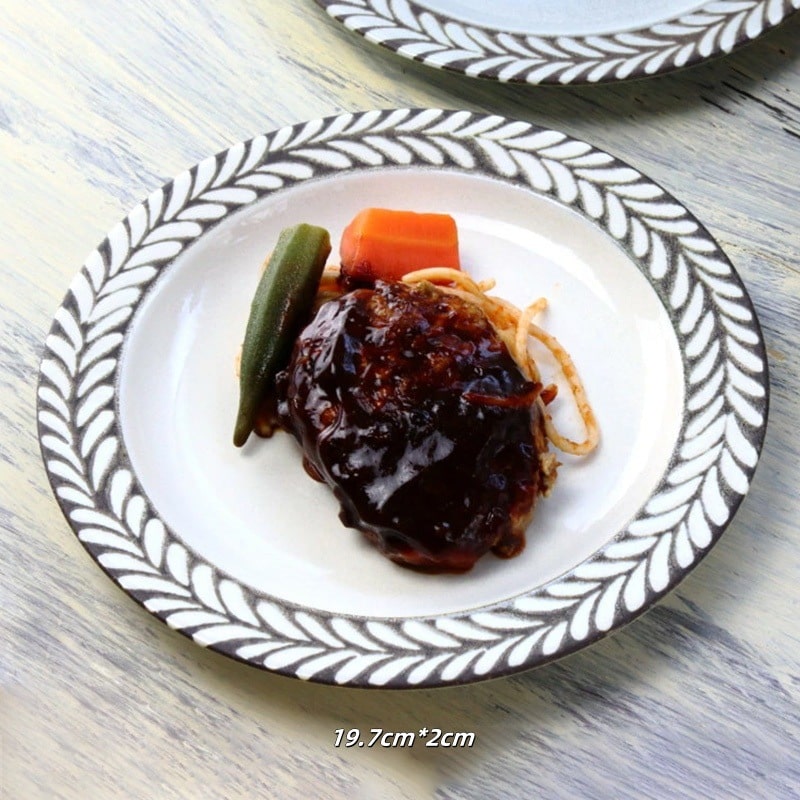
(409, 406)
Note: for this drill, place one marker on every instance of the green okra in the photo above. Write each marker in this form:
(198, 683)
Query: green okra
(282, 302)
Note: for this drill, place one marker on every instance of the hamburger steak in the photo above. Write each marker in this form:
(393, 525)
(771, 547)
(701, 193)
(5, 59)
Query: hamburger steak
(410, 407)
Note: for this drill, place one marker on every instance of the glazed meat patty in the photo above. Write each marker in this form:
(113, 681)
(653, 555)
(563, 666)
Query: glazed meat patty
(410, 407)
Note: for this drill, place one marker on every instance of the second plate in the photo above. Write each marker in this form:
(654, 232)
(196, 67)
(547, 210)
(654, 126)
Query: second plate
(569, 42)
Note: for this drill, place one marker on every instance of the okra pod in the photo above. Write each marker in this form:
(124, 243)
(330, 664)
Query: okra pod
(282, 301)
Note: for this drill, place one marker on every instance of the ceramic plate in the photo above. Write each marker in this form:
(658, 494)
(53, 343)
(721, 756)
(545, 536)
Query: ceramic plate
(241, 551)
(568, 42)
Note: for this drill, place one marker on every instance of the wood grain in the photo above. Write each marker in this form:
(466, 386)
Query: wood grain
(102, 102)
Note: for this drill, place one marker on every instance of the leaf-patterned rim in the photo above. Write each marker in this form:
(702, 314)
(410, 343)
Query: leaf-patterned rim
(405, 27)
(726, 401)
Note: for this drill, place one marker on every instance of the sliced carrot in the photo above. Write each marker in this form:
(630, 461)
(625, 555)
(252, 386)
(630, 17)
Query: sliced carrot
(383, 244)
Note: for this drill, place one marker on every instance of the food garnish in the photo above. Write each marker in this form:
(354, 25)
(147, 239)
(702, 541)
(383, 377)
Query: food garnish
(282, 302)
(384, 244)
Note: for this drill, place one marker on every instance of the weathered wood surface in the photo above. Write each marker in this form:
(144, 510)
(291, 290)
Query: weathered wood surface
(100, 102)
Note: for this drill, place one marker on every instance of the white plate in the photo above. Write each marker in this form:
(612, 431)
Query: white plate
(567, 42)
(243, 552)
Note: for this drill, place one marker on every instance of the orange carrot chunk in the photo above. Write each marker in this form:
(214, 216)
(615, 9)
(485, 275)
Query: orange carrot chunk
(382, 244)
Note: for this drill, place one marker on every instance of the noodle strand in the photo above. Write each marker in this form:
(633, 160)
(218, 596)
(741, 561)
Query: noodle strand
(514, 327)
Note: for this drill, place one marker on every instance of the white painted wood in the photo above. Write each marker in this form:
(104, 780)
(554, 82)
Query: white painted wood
(100, 102)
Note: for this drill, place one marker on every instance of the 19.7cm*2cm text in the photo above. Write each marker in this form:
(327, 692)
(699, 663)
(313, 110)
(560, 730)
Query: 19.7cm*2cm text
(378, 737)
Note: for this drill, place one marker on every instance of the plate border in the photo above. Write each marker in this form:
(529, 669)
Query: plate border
(406, 28)
(722, 432)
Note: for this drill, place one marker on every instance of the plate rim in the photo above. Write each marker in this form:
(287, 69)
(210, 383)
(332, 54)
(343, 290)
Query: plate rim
(98, 492)
(437, 40)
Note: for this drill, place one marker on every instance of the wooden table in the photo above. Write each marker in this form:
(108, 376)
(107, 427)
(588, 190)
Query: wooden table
(100, 103)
